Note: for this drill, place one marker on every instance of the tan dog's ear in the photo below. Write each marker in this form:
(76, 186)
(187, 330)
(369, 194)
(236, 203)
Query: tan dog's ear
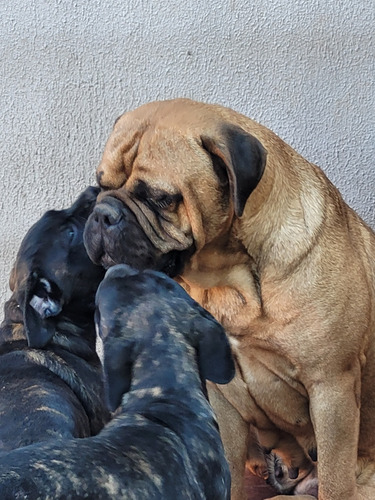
(244, 159)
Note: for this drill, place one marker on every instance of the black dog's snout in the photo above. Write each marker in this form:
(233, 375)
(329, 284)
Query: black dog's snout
(106, 214)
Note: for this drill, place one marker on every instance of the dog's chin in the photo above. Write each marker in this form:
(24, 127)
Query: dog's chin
(171, 263)
(106, 261)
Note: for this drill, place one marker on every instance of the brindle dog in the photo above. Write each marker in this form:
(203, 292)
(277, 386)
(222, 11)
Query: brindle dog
(50, 375)
(164, 442)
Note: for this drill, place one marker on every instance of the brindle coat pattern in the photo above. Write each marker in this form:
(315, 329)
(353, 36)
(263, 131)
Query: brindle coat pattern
(163, 442)
(263, 240)
(54, 387)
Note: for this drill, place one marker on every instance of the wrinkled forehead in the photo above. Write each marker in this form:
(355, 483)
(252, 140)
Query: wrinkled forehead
(149, 151)
(165, 152)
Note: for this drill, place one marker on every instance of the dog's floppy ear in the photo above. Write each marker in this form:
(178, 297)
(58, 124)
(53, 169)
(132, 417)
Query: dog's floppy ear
(243, 158)
(85, 202)
(118, 362)
(39, 331)
(214, 353)
(42, 301)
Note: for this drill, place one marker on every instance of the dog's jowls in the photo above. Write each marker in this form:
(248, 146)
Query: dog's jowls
(52, 387)
(263, 240)
(163, 443)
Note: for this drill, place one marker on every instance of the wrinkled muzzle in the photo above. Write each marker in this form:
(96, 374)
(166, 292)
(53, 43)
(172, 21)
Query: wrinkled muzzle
(114, 235)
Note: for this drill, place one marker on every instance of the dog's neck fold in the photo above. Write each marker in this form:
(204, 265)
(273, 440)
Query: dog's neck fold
(296, 203)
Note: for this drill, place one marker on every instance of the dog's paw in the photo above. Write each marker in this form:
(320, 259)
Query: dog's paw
(258, 468)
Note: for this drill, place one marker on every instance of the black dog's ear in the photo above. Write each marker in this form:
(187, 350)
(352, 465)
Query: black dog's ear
(85, 202)
(244, 159)
(39, 331)
(214, 353)
(42, 301)
(118, 362)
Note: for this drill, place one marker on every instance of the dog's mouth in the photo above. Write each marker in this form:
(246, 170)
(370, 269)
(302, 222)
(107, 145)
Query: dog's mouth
(101, 258)
(171, 264)
(106, 261)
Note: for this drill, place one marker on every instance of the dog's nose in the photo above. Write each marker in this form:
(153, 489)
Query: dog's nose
(106, 214)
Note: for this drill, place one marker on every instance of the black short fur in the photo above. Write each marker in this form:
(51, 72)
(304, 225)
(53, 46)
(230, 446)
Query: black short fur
(52, 387)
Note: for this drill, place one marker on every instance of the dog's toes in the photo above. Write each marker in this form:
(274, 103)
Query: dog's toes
(258, 469)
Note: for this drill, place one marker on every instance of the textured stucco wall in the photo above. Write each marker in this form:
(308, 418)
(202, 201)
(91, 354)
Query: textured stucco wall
(69, 68)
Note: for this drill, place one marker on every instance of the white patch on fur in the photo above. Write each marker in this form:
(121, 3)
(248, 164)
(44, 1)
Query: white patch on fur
(112, 486)
(46, 284)
(45, 307)
(99, 345)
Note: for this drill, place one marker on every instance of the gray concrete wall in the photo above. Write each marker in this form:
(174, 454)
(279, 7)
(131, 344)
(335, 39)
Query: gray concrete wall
(70, 67)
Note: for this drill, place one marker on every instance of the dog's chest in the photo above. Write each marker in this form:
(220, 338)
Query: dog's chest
(272, 381)
(233, 308)
(274, 388)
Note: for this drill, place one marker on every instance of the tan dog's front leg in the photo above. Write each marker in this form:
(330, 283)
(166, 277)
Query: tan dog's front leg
(234, 434)
(334, 408)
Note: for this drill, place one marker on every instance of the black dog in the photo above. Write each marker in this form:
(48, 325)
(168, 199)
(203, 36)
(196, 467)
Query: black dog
(56, 391)
(164, 443)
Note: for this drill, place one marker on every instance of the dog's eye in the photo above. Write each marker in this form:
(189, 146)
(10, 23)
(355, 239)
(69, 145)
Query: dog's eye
(70, 233)
(166, 201)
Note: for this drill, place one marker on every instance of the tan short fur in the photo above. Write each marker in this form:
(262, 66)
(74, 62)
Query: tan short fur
(292, 279)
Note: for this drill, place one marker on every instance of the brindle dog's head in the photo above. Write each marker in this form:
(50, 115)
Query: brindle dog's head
(137, 311)
(174, 174)
(53, 276)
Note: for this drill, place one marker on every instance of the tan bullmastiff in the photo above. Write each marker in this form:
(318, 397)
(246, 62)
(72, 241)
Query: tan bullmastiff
(261, 238)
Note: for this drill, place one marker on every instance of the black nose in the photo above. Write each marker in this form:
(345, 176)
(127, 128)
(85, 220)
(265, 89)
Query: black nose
(106, 214)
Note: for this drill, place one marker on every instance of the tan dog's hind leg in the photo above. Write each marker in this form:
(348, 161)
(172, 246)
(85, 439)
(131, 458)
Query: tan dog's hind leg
(334, 406)
(234, 434)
